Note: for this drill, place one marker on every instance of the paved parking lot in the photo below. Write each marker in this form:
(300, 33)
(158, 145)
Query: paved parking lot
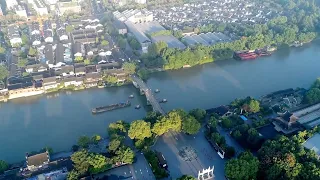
(171, 146)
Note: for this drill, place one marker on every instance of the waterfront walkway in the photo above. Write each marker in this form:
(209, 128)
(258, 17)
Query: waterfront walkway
(139, 83)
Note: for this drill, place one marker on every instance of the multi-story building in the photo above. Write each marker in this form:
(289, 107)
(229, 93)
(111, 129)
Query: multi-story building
(20, 11)
(134, 15)
(11, 3)
(141, 1)
(39, 6)
(14, 35)
(63, 7)
(47, 31)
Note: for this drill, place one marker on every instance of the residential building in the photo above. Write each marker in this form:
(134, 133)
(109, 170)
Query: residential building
(36, 68)
(61, 31)
(51, 2)
(120, 27)
(92, 79)
(78, 50)
(47, 31)
(49, 83)
(37, 161)
(49, 55)
(70, 6)
(76, 81)
(222, 111)
(11, 3)
(141, 1)
(20, 11)
(80, 71)
(39, 6)
(14, 35)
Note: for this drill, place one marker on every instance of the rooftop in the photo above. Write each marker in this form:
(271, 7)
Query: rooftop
(313, 143)
(38, 159)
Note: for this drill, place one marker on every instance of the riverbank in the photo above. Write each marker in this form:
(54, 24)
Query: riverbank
(29, 124)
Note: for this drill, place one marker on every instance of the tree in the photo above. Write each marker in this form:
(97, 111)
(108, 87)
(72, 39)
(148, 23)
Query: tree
(134, 43)
(312, 95)
(22, 62)
(186, 177)
(213, 122)
(139, 129)
(95, 139)
(129, 68)
(254, 106)
(86, 61)
(199, 114)
(97, 162)
(172, 121)
(143, 73)
(73, 175)
(114, 145)
(69, 28)
(125, 155)
(32, 51)
(2, 50)
(122, 43)
(110, 79)
(3, 166)
(24, 39)
(84, 141)
(3, 72)
(190, 125)
(80, 161)
(118, 127)
(104, 43)
(78, 58)
(243, 167)
(226, 123)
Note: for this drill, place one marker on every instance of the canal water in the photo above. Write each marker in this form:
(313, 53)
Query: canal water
(57, 120)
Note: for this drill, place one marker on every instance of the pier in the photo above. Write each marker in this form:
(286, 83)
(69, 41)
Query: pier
(144, 90)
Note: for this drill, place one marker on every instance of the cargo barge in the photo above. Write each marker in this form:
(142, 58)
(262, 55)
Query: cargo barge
(110, 107)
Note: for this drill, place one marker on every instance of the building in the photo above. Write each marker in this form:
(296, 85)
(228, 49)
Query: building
(14, 35)
(20, 11)
(309, 117)
(134, 15)
(39, 6)
(287, 119)
(61, 31)
(11, 3)
(78, 50)
(222, 111)
(36, 68)
(120, 27)
(70, 6)
(49, 55)
(47, 31)
(75, 81)
(37, 161)
(92, 79)
(140, 1)
(140, 36)
(49, 83)
(313, 143)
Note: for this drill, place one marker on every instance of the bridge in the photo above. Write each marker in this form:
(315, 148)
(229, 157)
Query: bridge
(139, 83)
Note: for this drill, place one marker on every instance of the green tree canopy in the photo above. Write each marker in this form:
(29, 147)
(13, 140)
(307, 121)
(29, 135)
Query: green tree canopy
(114, 145)
(78, 58)
(199, 114)
(139, 129)
(186, 177)
(22, 62)
(190, 125)
(172, 121)
(129, 68)
(87, 62)
(244, 167)
(122, 43)
(104, 43)
(95, 139)
(3, 166)
(69, 28)
(125, 155)
(80, 161)
(118, 127)
(312, 95)
(2, 50)
(73, 175)
(84, 141)
(32, 51)
(254, 106)
(110, 79)
(3, 72)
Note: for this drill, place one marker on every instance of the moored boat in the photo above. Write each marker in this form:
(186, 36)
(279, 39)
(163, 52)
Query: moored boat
(110, 107)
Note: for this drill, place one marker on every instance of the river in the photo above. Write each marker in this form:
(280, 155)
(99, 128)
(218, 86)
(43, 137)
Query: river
(57, 120)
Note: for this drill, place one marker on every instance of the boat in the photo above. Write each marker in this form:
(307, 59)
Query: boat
(157, 90)
(137, 106)
(131, 96)
(110, 107)
(163, 101)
